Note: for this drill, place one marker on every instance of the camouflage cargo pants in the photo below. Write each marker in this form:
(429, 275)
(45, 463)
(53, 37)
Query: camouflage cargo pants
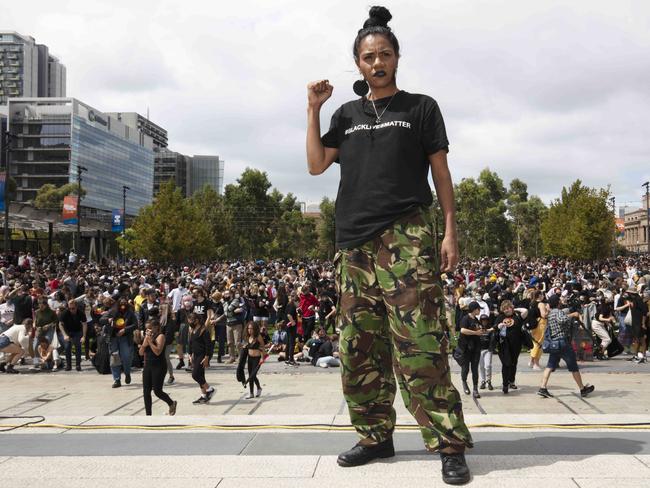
(391, 315)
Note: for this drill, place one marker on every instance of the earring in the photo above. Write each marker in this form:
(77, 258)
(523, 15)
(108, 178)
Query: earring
(361, 87)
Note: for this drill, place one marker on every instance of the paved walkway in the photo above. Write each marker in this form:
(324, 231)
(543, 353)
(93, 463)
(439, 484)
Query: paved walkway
(99, 433)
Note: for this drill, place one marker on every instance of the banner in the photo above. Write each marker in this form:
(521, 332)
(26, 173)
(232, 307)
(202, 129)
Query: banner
(620, 228)
(3, 180)
(118, 221)
(70, 209)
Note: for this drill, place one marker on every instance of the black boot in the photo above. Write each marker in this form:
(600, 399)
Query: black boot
(489, 384)
(359, 454)
(454, 469)
(482, 385)
(475, 393)
(180, 365)
(466, 388)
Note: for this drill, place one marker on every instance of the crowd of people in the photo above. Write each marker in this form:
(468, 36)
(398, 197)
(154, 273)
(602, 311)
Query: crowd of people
(169, 318)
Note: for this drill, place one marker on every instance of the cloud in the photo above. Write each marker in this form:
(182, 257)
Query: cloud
(544, 91)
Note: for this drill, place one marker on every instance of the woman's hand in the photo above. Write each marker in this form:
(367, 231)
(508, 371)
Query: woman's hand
(448, 254)
(318, 92)
(206, 362)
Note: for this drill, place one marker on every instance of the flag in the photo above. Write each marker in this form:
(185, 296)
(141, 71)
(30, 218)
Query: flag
(3, 180)
(118, 220)
(70, 209)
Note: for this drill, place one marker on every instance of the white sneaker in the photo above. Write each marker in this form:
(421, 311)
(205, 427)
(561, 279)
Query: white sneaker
(259, 392)
(324, 365)
(536, 368)
(249, 396)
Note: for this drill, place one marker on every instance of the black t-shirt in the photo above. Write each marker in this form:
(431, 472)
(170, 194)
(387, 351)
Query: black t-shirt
(200, 309)
(385, 166)
(325, 307)
(72, 322)
(23, 306)
(293, 311)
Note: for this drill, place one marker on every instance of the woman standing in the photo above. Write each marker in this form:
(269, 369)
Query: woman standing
(469, 342)
(155, 366)
(538, 313)
(387, 273)
(201, 349)
(255, 347)
(510, 339)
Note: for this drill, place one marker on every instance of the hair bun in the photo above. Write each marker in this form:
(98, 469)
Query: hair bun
(379, 17)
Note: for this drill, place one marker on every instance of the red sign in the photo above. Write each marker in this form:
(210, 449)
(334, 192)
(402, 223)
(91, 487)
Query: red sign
(70, 209)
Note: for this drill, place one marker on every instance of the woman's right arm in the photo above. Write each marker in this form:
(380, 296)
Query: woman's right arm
(319, 157)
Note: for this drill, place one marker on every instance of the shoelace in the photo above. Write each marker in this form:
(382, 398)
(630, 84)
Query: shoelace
(453, 461)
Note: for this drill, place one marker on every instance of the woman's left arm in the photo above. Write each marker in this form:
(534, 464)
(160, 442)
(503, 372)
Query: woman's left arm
(445, 193)
(158, 346)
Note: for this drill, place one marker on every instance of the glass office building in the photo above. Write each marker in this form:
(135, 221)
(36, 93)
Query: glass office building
(206, 170)
(55, 136)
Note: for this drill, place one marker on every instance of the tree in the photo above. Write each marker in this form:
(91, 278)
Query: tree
(579, 224)
(171, 229)
(483, 229)
(217, 216)
(50, 197)
(526, 216)
(253, 212)
(326, 229)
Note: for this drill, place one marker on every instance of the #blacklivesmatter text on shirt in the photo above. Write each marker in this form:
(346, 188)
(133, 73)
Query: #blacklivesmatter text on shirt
(392, 123)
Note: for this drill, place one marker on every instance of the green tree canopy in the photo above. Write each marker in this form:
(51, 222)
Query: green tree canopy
(172, 229)
(579, 224)
(50, 197)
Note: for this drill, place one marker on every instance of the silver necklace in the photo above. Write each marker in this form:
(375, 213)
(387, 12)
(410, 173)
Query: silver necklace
(378, 119)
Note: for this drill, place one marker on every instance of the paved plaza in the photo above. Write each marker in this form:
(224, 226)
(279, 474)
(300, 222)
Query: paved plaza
(291, 435)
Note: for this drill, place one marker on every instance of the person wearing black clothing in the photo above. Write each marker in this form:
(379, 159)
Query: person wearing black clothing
(510, 335)
(255, 348)
(150, 306)
(72, 323)
(218, 321)
(326, 312)
(385, 143)
(121, 324)
(22, 302)
(155, 366)
(469, 342)
(638, 311)
(292, 326)
(201, 349)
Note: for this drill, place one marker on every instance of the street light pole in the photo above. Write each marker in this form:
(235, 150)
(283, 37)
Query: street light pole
(647, 213)
(7, 241)
(124, 189)
(613, 200)
(80, 169)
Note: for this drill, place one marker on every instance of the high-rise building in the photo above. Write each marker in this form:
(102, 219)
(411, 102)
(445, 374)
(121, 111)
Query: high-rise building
(206, 170)
(134, 119)
(55, 136)
(28, 69)
(170, 165)
(3, 129)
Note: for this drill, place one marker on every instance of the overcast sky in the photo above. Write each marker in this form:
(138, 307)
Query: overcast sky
(546, 91)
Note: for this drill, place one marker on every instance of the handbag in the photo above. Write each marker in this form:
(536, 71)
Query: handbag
(459, 356)
(526, 337)
(551, 345)
(628, 318)
(615, 348)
